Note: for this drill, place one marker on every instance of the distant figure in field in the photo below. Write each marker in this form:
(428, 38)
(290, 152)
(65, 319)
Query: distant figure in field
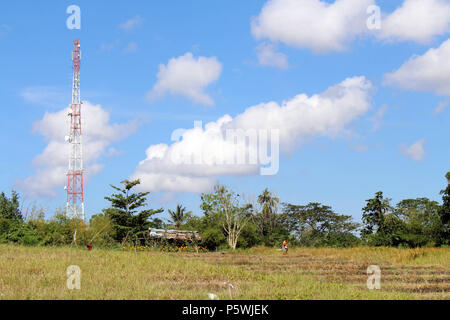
(89, 246)
(285, 247)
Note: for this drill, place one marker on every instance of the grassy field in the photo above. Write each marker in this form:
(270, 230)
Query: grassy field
(260, 273)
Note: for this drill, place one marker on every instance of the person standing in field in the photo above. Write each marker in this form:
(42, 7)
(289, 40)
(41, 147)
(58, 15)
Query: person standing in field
(285, 247)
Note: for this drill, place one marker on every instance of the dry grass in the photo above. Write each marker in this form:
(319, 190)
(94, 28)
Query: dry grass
(260, 273)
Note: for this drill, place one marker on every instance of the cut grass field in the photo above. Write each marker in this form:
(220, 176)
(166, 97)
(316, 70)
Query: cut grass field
(259, 273)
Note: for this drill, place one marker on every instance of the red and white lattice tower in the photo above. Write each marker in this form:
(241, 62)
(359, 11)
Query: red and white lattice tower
(75, 195)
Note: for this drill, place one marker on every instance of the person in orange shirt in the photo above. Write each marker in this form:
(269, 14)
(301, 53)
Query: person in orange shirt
(285, 247)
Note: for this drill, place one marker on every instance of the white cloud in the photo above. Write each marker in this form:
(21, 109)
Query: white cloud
(298, 120)
(268, 56)
(47, 96)
(312, 24)
(415, 151)
(429, 72)
(441, 106)
(131, 47)
(360, 147)
(109, 46)
(187, 76)
(132, 23)
(326, 27)
(51, 164)
(417, 20)
(113, 152)
(377, 118)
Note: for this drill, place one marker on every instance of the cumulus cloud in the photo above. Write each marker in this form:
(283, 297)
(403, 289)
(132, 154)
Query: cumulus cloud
(51, 165)
(187, 76)
(208, 150)
(415, 151)
(417, 20)
(268, 56)
(327, 27)
(429, 72)
(312, 24)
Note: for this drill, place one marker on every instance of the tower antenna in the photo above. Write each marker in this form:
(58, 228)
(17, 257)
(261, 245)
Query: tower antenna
(75, 194)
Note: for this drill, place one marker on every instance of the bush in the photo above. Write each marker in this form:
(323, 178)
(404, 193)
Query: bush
(100, 232)
(341, 240)
(213, 238)
(249, 237)
(277, 236)
(18, 232)
(30, 239)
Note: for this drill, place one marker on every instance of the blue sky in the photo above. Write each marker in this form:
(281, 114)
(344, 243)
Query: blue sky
(399, 144)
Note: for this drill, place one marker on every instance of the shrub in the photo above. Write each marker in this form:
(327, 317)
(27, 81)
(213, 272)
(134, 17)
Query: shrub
(213, 238)
(249, 237)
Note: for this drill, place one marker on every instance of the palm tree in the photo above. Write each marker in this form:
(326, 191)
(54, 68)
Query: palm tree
(269, 206)
(179, 216)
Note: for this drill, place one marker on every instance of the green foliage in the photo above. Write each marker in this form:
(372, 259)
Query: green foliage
(157, 223)
(213, 238)
(179, 216)
(391, 233)
(444, 214)
(59, 230)
(278, 235)
(266, 218)
(318, 225)
(249, 237)
(413, 223)
(9, 207)
(228, 221)
(12, 227)
(268, 221)
(224, 207)
(341, 240)
(373, 214)
(15, 231)
(101, 231)
(421, 222)
(124, 212)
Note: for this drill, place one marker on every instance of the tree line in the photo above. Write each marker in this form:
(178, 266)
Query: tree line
(229, 220)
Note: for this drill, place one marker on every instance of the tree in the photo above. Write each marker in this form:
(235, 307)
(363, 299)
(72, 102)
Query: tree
(179, 216)
(9, 207)
(12, 226)
(266, 218)
(318, 225)
(444, 213)
(225, 206)
(124, 211)
(422, 223)
(373, 214)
